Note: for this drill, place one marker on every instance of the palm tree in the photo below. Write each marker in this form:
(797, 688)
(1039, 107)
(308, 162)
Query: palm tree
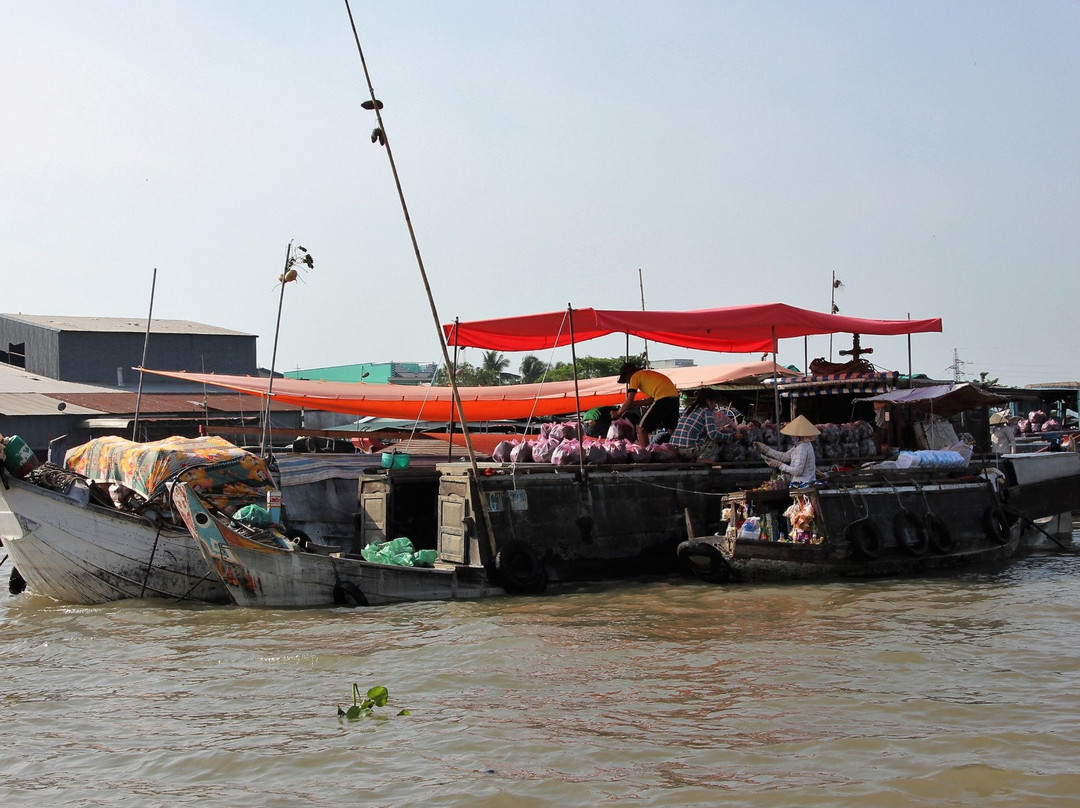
(493, 366)
(532, 369)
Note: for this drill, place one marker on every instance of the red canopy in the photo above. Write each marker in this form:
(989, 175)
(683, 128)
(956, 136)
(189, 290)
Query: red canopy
(734, 329)
(505, 402)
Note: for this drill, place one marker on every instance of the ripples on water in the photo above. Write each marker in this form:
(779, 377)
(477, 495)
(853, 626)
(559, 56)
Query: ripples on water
(937, 691)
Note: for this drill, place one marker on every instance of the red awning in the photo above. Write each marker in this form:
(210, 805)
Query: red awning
(504, 402)
(734, 329)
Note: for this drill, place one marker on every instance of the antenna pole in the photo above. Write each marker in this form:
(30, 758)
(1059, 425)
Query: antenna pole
(146, 343)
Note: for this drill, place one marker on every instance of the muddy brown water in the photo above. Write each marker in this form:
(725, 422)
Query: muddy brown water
(937, 691)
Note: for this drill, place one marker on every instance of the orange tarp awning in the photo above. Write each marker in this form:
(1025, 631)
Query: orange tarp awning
(504, 402)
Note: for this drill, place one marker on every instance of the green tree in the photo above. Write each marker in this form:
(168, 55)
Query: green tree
(466, 375)
(590, 367)
(532, 370)
(493, 368)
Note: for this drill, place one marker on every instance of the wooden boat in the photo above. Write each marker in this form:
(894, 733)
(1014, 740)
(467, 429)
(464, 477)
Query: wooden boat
(862, 524)
(1044, 489)
(68, 545)
(102, 529)
(260, 567)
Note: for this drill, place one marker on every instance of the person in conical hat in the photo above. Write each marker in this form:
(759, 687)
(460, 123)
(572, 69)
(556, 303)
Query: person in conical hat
(1002, 434)
(799, 465)
(801, 428)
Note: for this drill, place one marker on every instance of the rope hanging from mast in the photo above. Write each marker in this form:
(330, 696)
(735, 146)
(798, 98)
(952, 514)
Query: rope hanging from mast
(378, 136)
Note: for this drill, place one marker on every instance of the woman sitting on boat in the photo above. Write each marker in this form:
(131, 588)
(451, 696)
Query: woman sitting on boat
(697, 435)
(799, 465)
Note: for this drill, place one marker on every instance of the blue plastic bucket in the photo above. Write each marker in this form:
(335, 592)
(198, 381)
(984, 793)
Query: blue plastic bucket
(395, 460)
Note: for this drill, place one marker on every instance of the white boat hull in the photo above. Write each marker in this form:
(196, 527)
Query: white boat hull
(69, 549)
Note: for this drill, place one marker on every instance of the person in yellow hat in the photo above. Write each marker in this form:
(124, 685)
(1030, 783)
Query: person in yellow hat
(799, 465)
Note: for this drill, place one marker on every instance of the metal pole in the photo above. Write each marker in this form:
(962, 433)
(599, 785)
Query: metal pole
(775, 387)
(273, 356)
(832, 308)
(645, 353)
(450, 424)
(910, 380)
(577, 395)
(146, 343)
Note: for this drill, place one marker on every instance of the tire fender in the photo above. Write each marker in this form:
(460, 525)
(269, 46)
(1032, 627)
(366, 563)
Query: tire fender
(520, 570)
(864, 538)
(997, 527)
(941, 540)
(346, 593)
(910, 534)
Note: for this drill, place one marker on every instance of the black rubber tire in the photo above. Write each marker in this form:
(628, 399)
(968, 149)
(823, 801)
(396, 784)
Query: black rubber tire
(520, 571)
(346, 593)
(941, 539)
(16, 583)
(704, 560)
(997, 526)
(864, 538)
(910, 535)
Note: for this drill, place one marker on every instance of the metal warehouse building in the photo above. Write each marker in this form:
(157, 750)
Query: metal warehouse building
(103, 350)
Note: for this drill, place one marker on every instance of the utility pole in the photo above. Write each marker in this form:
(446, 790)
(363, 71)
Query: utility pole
(957, 367)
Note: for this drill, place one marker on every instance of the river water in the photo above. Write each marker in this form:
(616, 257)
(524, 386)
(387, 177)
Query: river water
(952, 691)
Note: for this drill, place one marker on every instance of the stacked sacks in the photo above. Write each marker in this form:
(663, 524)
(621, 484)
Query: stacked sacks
(521, 453)
(853, 439)
(1038, 421)
(621, 429)
(829, 442)
(559, 444)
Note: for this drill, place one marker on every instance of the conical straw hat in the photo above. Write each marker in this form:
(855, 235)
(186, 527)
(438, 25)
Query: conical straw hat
(801, 428)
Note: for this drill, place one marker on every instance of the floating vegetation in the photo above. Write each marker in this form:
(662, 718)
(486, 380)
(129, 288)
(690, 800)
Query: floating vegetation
(377, 696)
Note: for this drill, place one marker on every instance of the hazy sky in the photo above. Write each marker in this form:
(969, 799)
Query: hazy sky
(733, 152)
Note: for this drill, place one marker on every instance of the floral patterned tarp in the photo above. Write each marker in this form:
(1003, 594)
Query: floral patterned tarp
(216, 469)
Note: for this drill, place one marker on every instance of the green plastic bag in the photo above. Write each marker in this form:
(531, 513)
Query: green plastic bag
(425, 558)
(402, 545)
(378, 552)
(254, 515)
(398, 552)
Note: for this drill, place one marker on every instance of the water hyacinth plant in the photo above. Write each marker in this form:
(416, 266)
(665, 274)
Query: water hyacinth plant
(377, 696)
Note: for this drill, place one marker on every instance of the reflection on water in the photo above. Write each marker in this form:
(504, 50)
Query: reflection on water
(935, 691)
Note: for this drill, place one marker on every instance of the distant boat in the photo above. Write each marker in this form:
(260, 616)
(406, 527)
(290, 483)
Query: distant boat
(102, 530)
(860, 524)
(260, 567)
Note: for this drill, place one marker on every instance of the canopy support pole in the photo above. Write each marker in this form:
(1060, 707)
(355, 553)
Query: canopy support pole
(645, 353)
(450, 423)
(910, 381)
(577, 394)
(776, 386)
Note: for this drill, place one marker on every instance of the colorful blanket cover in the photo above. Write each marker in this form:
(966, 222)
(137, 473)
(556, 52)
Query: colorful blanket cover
(222, 473)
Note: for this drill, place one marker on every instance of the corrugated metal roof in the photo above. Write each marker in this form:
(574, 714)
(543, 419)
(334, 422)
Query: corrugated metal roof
(160, 403)
(15, 404)
(121, 325)
(18, 380)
